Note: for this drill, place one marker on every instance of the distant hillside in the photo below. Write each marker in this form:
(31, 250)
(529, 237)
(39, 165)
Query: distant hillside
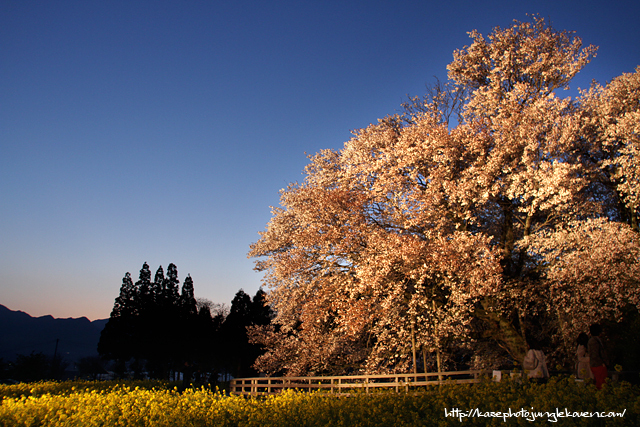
(21, 333)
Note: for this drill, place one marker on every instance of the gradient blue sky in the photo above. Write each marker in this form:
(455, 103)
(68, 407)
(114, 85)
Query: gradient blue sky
(162, 131)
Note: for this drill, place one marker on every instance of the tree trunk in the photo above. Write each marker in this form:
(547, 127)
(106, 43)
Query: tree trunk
(508, 237)
(438, 354)
(503, 332)
(413, 346)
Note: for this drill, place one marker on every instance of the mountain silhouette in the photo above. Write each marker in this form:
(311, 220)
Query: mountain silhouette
(72, 339)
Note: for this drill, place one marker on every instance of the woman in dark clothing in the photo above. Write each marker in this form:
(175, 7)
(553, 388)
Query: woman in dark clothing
(597, 355)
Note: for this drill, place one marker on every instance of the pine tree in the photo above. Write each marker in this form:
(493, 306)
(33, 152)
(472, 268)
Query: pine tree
(187, 299)
(144, 289)
(154, 324)
(173, 333)
(118, 338)
(261, 312)
(125, 304)
(172, 285)
(240, 354)
(158, 287)
(188, 325)
(157, 321)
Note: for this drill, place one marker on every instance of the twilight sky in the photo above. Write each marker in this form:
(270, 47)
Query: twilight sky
(162, 131)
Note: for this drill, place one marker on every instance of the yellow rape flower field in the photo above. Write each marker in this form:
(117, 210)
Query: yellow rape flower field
(83, 403)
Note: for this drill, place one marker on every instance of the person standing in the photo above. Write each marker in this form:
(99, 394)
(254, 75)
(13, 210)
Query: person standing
(583, 368)
(535, 362)
(598, 359)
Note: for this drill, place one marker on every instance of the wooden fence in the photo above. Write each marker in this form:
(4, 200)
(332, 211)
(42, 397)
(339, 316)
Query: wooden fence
(349, 384)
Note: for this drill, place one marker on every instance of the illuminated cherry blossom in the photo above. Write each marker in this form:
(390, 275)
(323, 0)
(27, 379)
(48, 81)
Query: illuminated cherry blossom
(398, 244)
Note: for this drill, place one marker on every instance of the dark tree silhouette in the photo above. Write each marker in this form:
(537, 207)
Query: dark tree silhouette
(152, 326)
(187, 299)
(172, 285)
(261, 312)
(144, 290)
(118, 338)
(159, 287)
(158, 328)
(234, 336)
(240, 354)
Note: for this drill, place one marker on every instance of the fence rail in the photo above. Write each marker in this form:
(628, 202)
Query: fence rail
(348, 384)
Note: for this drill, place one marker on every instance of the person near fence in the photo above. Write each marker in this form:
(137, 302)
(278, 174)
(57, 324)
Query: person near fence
(535, 363)
(598, 358)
